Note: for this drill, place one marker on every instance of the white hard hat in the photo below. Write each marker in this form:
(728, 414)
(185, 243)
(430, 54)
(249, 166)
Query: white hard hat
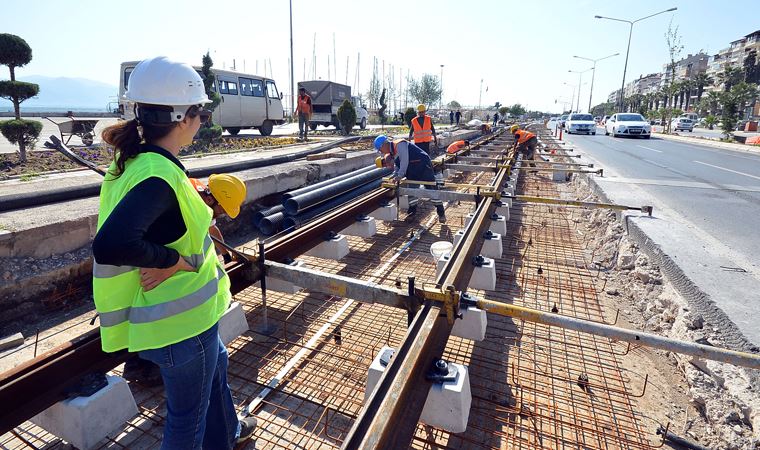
(161, 81)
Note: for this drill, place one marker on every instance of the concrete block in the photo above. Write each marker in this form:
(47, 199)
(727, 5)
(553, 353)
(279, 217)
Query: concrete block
(13, 340)
(85, 421)
(457, 236)
(468, 219)
(376, 369)
(334, 248)
(403, 202)
(365, 227)
(472, 325)
(448, 403)
(502, 208)
(492, 245)
(498, 224)
(233, 323)
(441, 263)
(559, 175)
(386, 213)
(484, 275)
(509, 190)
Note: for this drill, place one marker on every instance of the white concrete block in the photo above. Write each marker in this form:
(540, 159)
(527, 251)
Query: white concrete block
(233, 322)
(278, 285)
(484, 276)
(502, 208)
(457, 236)
(441, 263)
(472, 325)
(468, 219)
(376, 369)
(386, 213)
(509, 190)
(446, 174)
(559, 175)
(403, 202)
(366, 228)
(498, 224)
(335, 248)
(85, 421)
(492, 245)
(448, 403)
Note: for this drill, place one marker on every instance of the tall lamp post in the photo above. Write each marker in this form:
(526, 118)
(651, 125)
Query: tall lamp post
(572, 98)
(292, 78)
(630, 32)
(593, 75)
(580, 82)
(440, 101)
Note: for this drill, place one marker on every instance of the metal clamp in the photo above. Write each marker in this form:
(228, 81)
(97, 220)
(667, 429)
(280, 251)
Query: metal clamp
(449, 297)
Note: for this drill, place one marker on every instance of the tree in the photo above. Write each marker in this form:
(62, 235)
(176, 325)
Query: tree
(208, 132)
(426, 90)
(454, 104)
(15, 52)
(751, 69)
(729, 77)
(373, 95)
(409, 114)
(603, 109)
(516, 110)
(381, 111)
(346, 116)
(700, 81)
(673, 40)
(503, 111)
(710, 121)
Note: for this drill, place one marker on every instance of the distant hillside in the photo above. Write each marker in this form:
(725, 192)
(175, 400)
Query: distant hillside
(66, 93)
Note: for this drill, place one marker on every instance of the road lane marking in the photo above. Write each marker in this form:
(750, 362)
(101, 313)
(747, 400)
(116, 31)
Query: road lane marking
(728, 170)
(679, 184)
(650, 149)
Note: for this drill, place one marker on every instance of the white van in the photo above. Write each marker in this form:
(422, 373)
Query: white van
(248, 101)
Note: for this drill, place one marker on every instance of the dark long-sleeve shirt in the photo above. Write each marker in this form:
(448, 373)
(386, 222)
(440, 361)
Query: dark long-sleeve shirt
(145, 220)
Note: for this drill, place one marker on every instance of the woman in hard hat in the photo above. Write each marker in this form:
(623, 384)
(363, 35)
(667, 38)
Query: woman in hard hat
(422, 131)
(158, 285)
(224, 194)
(411, 162)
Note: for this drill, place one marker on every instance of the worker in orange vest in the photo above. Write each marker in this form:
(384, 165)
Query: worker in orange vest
(456, 146)
(422, 130)
(525, 142)
(304, 110)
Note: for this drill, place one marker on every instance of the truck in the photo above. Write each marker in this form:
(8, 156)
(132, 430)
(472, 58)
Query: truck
(326, 98)
(248, 101)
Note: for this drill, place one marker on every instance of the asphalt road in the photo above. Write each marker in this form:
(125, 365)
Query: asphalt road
(707, 208)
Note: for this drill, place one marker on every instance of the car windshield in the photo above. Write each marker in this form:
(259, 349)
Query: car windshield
(630, 118)
(582, 117)
(562, 117)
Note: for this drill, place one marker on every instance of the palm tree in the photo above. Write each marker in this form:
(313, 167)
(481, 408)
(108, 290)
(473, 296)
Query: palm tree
(688, 87)
(730, 76)
(701, 80)
(713, 100)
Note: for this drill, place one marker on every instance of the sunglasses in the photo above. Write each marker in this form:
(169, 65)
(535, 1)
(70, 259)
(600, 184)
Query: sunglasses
(197, 112)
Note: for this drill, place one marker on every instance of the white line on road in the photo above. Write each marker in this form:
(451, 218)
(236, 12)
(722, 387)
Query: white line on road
(650, 149)
(728, 170)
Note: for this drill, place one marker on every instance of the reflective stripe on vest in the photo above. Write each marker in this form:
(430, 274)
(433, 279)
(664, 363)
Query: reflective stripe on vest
(523, 136)
(422, 133)
(182, 306)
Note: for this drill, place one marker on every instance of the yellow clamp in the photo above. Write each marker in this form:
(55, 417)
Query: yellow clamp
(449, 297)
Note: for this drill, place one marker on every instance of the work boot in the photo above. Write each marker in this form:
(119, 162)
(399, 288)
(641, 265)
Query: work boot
(247, 427)
(441, 213)
(412, 210)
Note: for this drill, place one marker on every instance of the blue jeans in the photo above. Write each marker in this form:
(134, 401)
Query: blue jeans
(200, 412)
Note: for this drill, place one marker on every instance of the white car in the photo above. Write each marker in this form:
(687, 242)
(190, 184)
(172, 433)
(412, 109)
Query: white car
(682, 123)
(628, 124)
(580, 123)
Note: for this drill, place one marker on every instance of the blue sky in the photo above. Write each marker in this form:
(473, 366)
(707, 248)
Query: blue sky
(522, 50)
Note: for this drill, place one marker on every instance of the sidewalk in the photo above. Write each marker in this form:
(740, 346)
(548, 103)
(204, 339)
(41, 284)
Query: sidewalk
(708, 142)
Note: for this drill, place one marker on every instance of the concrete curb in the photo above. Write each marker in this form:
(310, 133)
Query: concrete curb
(710, 143)
(699, 300)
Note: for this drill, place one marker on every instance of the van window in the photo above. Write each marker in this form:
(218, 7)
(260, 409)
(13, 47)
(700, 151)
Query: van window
(258, 88)
(228, 87)
(272, 90)
(250, 87)
(127, 73)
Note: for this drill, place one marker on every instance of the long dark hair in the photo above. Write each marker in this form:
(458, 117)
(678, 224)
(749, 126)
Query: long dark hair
(126, 138)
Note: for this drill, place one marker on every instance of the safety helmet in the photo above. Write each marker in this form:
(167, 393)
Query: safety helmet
(161, 81)
(229, 191)
(379, 141)
(379, 162)
(514, 128)
(421, 108)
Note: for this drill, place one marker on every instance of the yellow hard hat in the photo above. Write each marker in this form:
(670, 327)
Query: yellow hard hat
(514, 128)
(379, 162)
(421, 108)
(229, 191)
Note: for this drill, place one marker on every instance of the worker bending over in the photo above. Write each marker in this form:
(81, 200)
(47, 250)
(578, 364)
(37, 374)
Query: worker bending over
(525, 142)
(458, 145)
(422, 131)
(224, 195)
(410, 162)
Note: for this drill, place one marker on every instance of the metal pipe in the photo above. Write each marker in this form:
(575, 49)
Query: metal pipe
(295, 205)
(305, 189)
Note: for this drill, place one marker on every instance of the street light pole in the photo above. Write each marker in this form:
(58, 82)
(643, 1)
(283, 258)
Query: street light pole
(580, 82)
(572, 98)
(292, 78)
(630, 33)
(593, 75)
(440, 101)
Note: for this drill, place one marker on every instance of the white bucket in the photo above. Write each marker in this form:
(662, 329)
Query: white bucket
(440, 248)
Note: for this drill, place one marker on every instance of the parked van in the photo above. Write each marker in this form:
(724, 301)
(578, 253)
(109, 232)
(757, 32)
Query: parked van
(248, 101)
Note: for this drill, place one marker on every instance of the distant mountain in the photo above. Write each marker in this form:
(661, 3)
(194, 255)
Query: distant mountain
(66, 93)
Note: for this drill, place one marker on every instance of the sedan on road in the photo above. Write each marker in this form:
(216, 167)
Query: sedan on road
(682, 124)
(580, 123)
(628, 124)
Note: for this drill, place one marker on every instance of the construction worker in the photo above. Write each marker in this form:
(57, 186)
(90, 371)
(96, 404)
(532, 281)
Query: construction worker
(451, 117)
(158, 286)
(411, 162)
(525, 142)
(422, 130)
(224, 195)
(304, 110)
(456, 146)
(458, 116)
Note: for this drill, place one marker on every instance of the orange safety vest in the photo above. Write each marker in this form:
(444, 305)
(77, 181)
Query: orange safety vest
(304, 107)
(454, 147)
(198, 185)
(422, 133)
(523, 136)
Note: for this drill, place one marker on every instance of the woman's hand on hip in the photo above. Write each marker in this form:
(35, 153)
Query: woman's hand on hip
(152, 277)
